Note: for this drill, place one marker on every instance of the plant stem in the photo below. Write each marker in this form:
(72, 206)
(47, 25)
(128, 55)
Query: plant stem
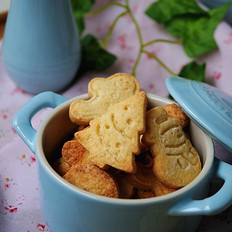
(162, 40)
(135, 23)
(93, 13)
(139, 34)
(106, 39)
(160, 62)
(133, 72)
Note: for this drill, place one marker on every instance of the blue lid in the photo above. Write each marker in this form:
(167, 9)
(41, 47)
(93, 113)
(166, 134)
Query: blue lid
(206, 105)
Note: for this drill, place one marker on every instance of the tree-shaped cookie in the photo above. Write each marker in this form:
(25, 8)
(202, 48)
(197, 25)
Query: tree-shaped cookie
(103, 92)
(113, 138)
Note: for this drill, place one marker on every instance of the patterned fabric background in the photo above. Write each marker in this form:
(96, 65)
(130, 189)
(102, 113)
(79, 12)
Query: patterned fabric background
(19, 192)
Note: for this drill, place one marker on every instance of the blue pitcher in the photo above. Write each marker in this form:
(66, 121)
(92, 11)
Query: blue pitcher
(41, 49)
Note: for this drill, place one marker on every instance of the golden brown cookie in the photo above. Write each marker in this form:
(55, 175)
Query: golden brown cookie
(144, 178)
(143, 194)
(92, 179)
(73, 152)
(103, 92)
(114, 137)
(158, 190)
(61, 167)
(176, 162)
(147, 183)
(174, 111)
(126, 189)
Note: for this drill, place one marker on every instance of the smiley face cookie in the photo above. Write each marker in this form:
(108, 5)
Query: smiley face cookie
(176, 162)
(103, 92)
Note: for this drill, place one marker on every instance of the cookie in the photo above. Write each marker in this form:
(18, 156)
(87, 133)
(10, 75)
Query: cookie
(73, 152)
(114, 138)
(103, 92)
(147, 184)
(143, 194)
(61, 167)
(174, 111)
(92, 179)
(144, 178)
(158, 190)
(126, 189)
(176, 162)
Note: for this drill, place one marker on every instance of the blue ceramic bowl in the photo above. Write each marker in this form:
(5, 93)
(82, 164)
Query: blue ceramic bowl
(68, 208)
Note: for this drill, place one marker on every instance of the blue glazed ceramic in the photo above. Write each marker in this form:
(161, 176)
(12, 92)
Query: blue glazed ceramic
(217, 3)
(208, 106)
(68, 208)
(41, 49)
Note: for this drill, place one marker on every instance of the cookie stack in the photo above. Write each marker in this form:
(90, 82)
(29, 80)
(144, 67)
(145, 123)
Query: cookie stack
(124, 150)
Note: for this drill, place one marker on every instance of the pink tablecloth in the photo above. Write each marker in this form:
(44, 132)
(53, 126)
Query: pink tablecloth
(19, 206)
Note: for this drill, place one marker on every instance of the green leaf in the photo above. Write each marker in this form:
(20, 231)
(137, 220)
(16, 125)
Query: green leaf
(79, 21)
(83, 6)
(197, 33)
(80, 7)
(193, 71)
(164, 10)
(94, 57)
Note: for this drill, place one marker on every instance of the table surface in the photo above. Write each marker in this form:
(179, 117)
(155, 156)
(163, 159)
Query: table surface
(19, 192)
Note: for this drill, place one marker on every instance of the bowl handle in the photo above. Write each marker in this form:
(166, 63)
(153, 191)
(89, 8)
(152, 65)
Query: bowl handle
(22, 119)
(211, 205)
